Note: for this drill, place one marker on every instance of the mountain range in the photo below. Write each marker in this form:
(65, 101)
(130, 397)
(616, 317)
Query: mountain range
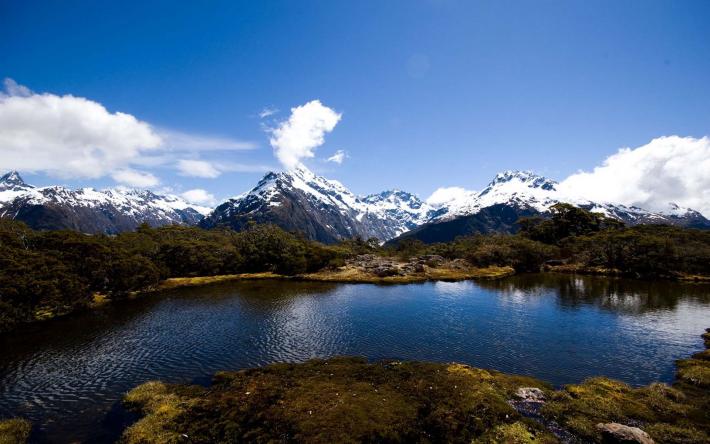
(88, 210)
(319, 208)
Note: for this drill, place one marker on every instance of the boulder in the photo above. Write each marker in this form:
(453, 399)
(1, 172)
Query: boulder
(384, 271)
(614, 433)
(530, 394)
(432, 260)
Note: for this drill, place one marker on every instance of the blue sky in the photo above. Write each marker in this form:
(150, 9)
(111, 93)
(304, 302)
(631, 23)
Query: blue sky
(431, 93)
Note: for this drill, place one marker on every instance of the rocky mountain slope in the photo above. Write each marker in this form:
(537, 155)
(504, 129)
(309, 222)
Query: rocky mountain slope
(321, 209)
(91, 211)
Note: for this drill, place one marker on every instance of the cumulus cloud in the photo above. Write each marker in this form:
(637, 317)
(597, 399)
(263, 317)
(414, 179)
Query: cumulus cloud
(199, 196)
(74, 137)
(134, 178)
(338, 157)
(68, 136)
(197, 168)
(12, 88)
(297, 138)
(445, 195)
(668, 169)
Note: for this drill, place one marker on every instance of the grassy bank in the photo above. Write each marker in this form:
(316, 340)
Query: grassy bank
(348, 275)
(350, 400)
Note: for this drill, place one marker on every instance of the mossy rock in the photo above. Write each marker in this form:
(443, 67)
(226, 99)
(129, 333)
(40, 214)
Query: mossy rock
(14, 431)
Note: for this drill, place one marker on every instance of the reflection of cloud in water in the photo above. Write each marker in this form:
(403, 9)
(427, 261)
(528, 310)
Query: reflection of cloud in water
(612, 294)
(453, 289)
(303, 328)
(686, 321)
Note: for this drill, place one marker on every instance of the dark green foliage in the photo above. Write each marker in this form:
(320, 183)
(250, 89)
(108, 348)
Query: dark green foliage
(592, 240)
(523, 254)
(47, 273)
(565, 221)
(645, 250)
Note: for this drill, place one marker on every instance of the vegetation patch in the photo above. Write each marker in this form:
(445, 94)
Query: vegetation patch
(350, 400)
(337, 400)
(14, 431)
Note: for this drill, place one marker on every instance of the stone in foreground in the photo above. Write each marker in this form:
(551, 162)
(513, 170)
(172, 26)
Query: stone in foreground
(614, 433)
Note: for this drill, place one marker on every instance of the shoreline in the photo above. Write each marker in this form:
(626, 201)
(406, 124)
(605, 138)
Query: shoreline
(601, 271)
(351, 274)
(345, 276)
(349, 399)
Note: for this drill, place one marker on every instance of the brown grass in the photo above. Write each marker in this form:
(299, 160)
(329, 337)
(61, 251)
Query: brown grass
(206, 280)
(347, 275)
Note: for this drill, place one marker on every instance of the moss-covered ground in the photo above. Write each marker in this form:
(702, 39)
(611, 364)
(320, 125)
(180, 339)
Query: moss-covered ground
(338, 400)
(350, 400)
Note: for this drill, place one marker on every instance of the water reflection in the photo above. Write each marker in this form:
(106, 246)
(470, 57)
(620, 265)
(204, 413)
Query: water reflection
(67, 375)
(614, 294)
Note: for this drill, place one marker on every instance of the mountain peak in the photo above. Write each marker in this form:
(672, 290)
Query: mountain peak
(530, 179)
(12, 180)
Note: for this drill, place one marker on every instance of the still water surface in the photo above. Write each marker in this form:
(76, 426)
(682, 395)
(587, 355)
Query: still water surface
(67, 375)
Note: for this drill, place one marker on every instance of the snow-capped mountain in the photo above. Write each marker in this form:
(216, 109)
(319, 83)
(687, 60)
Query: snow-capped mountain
(514, 194)
(89, 210)
(524, 189)
(516, 188)
(320, 208)
(317, 207)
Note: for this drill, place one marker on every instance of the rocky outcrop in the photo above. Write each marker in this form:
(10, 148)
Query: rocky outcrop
(530, 394)
(614, 433)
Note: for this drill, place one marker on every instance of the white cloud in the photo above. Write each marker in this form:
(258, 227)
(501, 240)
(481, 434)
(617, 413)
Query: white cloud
(338, 157)
(197, 168)
(199, 196)
(267, 112)
(74, 137)
(296, 138)
(68, 136)
(15, 89)
(445, 195)
(668, 169)
(135, 178)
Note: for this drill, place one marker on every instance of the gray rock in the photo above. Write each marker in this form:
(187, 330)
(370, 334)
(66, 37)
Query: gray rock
(615, 433)
(530, 394)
